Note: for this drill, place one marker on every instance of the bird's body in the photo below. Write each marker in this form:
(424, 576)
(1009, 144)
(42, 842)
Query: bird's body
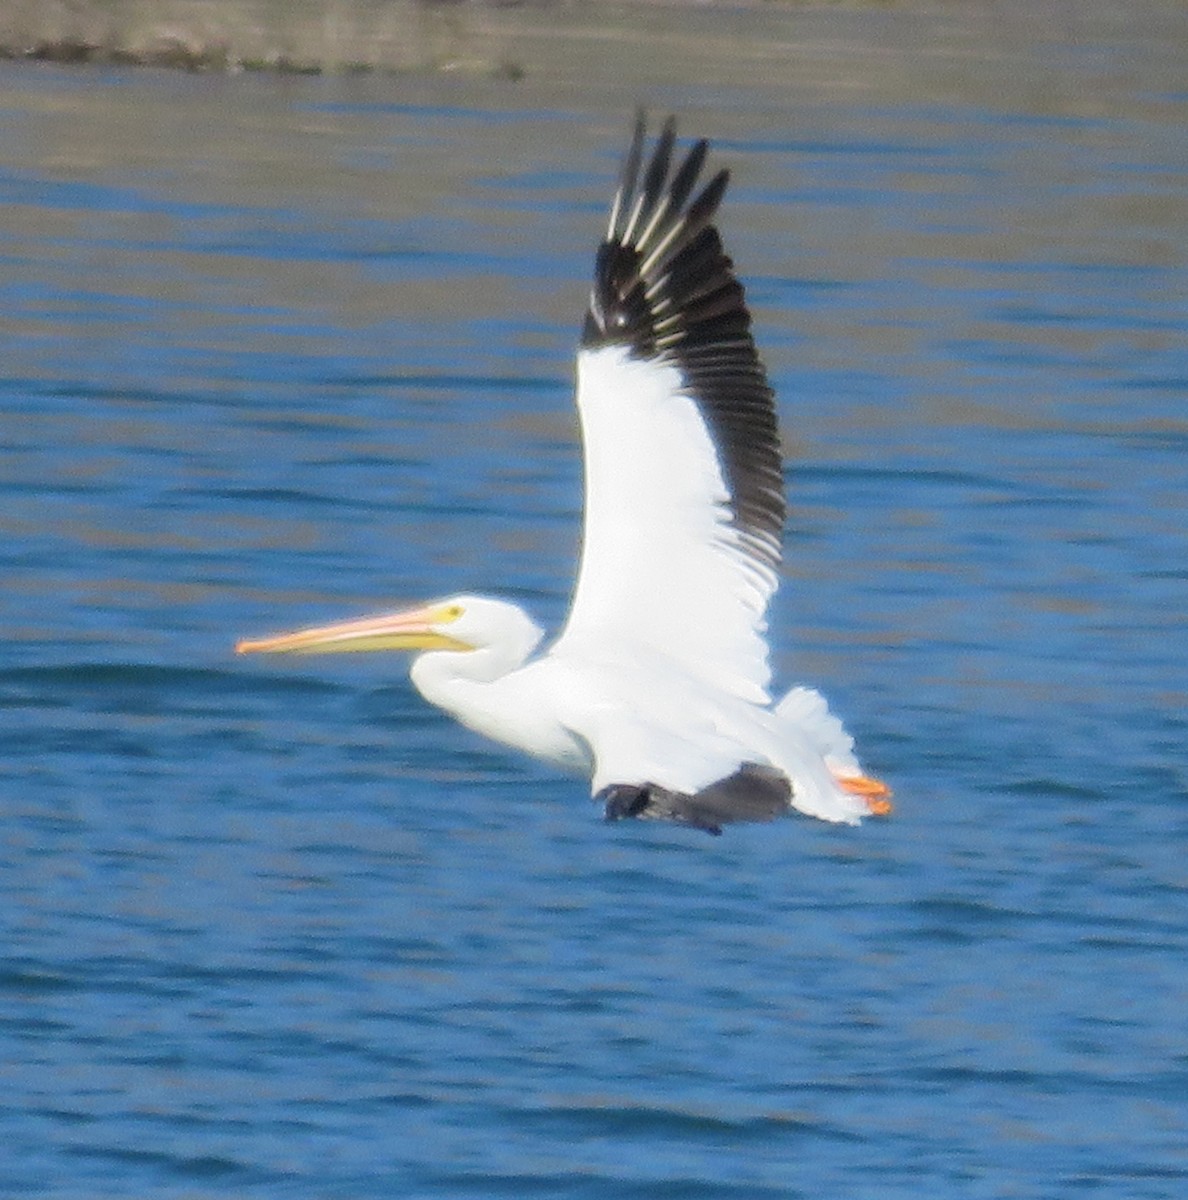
(658, 684)
(636, 716)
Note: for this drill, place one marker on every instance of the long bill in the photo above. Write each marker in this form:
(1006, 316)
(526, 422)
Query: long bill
(414, 629)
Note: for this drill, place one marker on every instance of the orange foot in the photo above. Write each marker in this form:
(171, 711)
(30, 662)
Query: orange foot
(874, 791)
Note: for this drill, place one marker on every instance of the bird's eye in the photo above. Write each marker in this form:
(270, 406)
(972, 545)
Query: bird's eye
(451, 612)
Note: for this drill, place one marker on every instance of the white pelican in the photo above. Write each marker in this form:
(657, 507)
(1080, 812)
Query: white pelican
(658, 684)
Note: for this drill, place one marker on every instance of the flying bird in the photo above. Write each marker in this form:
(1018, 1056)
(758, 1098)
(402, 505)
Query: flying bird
(657, 686)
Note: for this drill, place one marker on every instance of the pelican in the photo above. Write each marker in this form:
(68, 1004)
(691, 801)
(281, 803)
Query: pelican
(657, 686)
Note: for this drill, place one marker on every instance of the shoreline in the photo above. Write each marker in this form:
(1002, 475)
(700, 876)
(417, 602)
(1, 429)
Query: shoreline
(493, 38)
(924, 48)
(299, 37)
(288, 37)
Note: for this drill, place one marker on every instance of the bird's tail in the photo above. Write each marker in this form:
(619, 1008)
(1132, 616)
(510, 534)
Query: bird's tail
(841, 792)
(808, 710)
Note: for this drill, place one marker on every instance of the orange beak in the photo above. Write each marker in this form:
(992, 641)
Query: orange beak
(414, 629)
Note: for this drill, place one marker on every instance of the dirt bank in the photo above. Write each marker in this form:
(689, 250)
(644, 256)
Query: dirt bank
(314, 37)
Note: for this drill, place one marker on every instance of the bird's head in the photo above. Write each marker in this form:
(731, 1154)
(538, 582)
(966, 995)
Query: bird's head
(464, 624)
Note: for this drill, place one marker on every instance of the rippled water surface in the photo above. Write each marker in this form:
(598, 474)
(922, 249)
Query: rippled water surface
(277, 351)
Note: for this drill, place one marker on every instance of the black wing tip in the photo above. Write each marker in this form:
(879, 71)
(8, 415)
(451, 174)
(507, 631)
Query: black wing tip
(652, 224)
(665, 290)
(663, 285)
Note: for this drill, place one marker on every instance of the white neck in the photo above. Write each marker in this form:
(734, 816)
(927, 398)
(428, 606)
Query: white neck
(492, 692)
(436, 675)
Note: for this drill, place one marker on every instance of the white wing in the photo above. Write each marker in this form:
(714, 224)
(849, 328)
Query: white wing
(684, 497)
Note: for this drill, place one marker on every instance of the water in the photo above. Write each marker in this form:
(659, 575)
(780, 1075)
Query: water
(282, 351)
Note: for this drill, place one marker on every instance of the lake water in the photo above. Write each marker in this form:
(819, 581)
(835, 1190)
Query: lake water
(277, 351)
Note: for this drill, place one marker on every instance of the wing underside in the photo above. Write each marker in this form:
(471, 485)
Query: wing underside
(684, 491)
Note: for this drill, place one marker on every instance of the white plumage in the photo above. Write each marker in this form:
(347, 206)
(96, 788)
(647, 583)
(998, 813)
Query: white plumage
(658, 683)
(664, 568)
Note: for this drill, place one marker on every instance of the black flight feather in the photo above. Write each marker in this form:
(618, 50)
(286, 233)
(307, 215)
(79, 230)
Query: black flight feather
(665, 289)
(753, 793)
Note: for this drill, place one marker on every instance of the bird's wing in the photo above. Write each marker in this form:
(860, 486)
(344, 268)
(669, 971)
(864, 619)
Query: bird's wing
(684, 488)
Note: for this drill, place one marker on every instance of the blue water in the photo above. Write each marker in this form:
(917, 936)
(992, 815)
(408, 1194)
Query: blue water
(279, 930)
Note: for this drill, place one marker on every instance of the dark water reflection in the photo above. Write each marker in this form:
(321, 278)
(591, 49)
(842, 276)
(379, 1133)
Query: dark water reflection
(276, 351)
